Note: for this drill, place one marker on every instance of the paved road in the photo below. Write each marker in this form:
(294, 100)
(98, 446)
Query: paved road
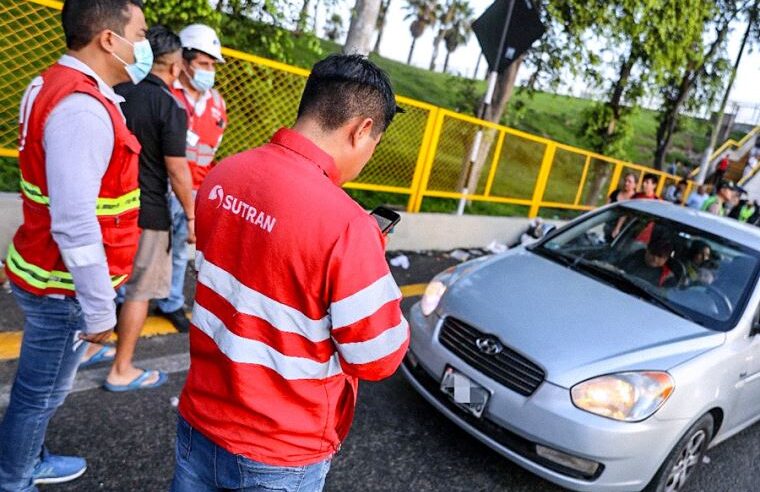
(397, 443)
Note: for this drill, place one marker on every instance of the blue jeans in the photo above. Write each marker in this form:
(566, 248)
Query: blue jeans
(202, 466)
(45, 375)
(176, 299)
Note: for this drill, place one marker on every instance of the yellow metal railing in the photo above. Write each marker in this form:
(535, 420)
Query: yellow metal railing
(422, 156)
(729, 144)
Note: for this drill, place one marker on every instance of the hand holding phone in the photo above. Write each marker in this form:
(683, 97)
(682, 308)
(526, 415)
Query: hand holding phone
(386, 219)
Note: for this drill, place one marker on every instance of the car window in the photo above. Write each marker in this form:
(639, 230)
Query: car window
(691, 272)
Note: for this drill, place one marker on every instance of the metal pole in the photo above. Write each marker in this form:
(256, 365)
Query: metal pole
(487, 98)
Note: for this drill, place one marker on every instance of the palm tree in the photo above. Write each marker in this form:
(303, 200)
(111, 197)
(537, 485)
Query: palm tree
(444, 17)
(424, 14)
(334, 27)
(384, 6)
(459, 31)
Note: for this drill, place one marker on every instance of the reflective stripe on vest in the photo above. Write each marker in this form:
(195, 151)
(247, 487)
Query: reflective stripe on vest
(43, 279)
(103, 206)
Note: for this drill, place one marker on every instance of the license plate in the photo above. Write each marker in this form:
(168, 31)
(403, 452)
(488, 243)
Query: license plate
(464, 392)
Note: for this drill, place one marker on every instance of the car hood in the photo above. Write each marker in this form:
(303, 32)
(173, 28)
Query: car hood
(572, 325)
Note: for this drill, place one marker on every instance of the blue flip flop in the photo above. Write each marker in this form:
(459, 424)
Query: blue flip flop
(138, 382)
(100, 356)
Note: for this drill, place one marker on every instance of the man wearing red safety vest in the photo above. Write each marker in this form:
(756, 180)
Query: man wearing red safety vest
(295, 302)
(206, 120)
(78, 164)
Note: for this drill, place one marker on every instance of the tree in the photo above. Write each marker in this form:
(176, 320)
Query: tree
(642, 58)
(176, 14)
(303, 17)
(423, 15)
(699, 80)
(458, 32)
(334, 27)
(363, 22)
(381, 17)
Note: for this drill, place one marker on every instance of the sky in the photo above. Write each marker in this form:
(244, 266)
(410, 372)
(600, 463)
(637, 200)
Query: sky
(397, 40)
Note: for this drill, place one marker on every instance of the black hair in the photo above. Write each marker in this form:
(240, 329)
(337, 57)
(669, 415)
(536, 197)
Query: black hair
(83, 19)
(190, 54)
(697, 246)
(651, 177)
(163, 41)
(342, 87)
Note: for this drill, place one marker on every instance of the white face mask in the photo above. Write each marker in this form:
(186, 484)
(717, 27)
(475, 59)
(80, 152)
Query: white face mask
(202, 80)
(143, 54)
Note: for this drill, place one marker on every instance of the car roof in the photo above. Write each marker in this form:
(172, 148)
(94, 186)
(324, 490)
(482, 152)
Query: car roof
(731, 229)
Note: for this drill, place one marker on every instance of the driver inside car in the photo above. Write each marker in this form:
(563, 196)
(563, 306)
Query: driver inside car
(651, 263)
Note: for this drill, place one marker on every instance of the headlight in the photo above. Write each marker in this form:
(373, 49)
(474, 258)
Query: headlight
(435, 290)
(627, 396)
(432, 297)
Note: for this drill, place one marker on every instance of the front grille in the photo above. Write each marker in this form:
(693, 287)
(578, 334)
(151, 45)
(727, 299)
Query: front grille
(507, 367)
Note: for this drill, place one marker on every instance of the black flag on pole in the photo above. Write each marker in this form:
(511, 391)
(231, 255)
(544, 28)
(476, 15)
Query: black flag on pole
(524, 29)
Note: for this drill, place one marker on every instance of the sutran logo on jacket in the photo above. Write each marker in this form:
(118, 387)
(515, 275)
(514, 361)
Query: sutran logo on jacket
(244, 210)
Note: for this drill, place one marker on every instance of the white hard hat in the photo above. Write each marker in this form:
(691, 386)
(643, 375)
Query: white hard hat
(202, 38)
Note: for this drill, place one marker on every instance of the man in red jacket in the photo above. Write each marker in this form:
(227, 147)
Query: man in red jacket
(295, 302)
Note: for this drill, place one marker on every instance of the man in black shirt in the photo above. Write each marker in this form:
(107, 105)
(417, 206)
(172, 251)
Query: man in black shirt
(160, 124)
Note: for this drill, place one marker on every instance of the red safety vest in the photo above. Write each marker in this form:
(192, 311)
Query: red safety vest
(34, 260)
(294, 304)
(205, 131)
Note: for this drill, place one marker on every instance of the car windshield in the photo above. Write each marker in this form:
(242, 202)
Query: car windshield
(690, 272)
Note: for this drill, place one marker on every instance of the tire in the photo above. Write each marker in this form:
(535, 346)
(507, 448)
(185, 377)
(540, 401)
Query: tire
(684, 459)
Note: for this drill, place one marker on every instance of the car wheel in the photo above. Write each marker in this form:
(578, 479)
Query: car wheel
(684, 459)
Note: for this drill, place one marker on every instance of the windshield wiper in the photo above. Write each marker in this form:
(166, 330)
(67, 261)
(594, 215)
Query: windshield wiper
(634, 285)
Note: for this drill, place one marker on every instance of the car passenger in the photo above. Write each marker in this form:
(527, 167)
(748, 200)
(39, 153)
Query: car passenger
(651, 263)
(697, 263)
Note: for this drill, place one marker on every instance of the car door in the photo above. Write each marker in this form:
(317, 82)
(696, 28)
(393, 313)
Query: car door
(748, 380)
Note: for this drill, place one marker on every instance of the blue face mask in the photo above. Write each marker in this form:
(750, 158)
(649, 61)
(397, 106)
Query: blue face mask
(203, 80)
(143, 60)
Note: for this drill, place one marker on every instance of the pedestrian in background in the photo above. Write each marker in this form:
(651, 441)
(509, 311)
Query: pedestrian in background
(674, 193)
(720, 170)
(626, 192)
(718, 203)
(697, 197)
(78, 164)
(648, 188)
(207, 120)
(295, 302)
(159, 122)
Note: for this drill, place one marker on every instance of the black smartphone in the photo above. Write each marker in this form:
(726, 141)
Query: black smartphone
(386, 218)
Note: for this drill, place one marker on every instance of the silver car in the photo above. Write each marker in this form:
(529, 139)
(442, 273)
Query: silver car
(608, 356)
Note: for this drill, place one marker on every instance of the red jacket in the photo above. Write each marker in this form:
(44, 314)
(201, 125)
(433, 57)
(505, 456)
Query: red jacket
(205, 132)
(294, 304)
(34, 260)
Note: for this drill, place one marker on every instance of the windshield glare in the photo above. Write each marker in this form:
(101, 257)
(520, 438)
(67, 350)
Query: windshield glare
(705, 276)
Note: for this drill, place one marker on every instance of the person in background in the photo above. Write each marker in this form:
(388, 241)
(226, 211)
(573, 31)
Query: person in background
(294, 303)
(159, 122)
(721, 169)
(648, 188)
(80, 198)
(626, 192)
(207, 120)
(697, 197)
(675, 192)
(744, 209)
(673, 167)
(722, 199)
(699, 256)
(749, 169)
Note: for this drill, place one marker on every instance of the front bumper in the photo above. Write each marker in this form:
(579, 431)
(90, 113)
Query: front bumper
(629, 454)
